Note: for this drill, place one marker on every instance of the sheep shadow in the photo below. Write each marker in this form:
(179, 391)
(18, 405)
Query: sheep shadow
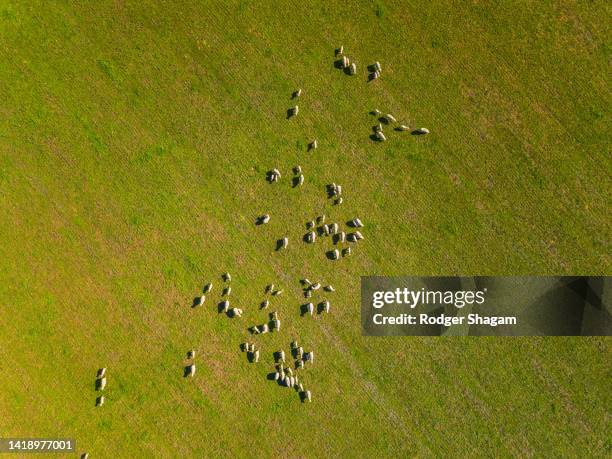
(250, 357)
(279, 245)
(331, 255)
(303, 312)
(290, 113)
(98, 384)
(347, 70)
(196, 302)
(338, 64)
(383, 120)
(417, 132)
(311, 146)
(277, 356)
(320, 308)
(295, 181)
(371, 68)
(306, 238)
(371, 77)
(270, 376)
(374, 138)
(259, 221)
(100, 373)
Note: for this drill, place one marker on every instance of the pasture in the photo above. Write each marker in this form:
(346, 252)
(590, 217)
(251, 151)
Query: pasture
(135, 138)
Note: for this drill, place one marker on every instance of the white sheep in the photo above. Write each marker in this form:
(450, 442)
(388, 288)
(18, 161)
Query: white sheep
(390, 118)
(329, 288)
(284, 243)
(310, 308)
(353, 69)
(300, 180)
(101, 383)
(191, 369)
(207, 288)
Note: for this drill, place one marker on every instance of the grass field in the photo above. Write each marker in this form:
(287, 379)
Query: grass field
(134, 141)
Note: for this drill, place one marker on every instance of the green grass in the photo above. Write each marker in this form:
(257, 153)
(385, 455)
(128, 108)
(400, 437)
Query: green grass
(134, 140)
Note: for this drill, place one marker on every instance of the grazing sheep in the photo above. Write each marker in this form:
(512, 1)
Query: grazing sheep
(265, 219)
(235, 312)
(284, 243)
(264, 328)
(351, 237)
(358, 235)
(353, 69)
(297, 170)
(378, 127)
(306, 282)
(289, 371)
(264, 304)
(422, 131)
(300, 180)
(376, 112)
(334, 228)
(300, 387)
(345, 62)
(340, 51)
(276, 325)
(85, 456)
(326, 306)
(191, 354)
(338, 201)
(281, 355)
(101, 372)
(342, 237)
(295, 110)
(390, 118)
(276, 376)
(269, 288)
(308, 396)
(310, 224)
(321, 219)
(225, 305)
(307, 293)
(356, 223)
(380, 136)
(309, 356)
(316, 286)
(338, 190)
(325, 229)
(300, 352)
(100, 400)
(402, 127)
(273, 315)
(346, 252)
(310, 308)
(311, 237)
(314, 144)
(299, 364)
(207, 288)
(334, 254)
(374, 75)
(277, 292)
(256, 356)
(294, 344)
(377, 66)
(227, 277)
(297, 93)
(227, 291)
(200, 301)
(101, 383)
(329, 288)
(276, 172)
(190, 370)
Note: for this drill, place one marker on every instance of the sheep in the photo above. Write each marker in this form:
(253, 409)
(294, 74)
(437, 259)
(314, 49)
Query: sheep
(264, 304)
(329, 288)
(227, 277)
(294, 111)
(334, 228)
(100, 400)
(101, 372)
(325, 229)
(256, 356)
(291, 381)
(276, 325)
(263, 328)
(85, 456)
(351, 237)
(338, 201)
(345, 62)
(310, 224)
(306, 282)
(380, 136)
(378, 127)
(356, 222)
(342, 237)
(316, 286)
(309, 356)
(101, 383)
(294, 344)
(277, 292)
(227, 291)
(191, 354)
(235, 312)
(300, 180)
(422, 131)
(276, 376)
(313, 145)
(225, 305)
(300, 352)
(340, 51)
(353, 69)
(321, 219)
(390, 118)
(377, 66)
(325, 305)
(338, 190)
(311, 237)
(265, 219)
(281, 355)
(207, 288)
(299, 364)
(402, 127)
(358, 235)
(199, 301)
(289, 371)
(310, 308)
(334, 254)
(190, 370)
(346, 252)
(297, 93)
(284, 243)
(308, 396)
(307, 293)
(376, 112)
(374, 75)
(297, 170)
(269, 288)
(300, 387)
(276, 172)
